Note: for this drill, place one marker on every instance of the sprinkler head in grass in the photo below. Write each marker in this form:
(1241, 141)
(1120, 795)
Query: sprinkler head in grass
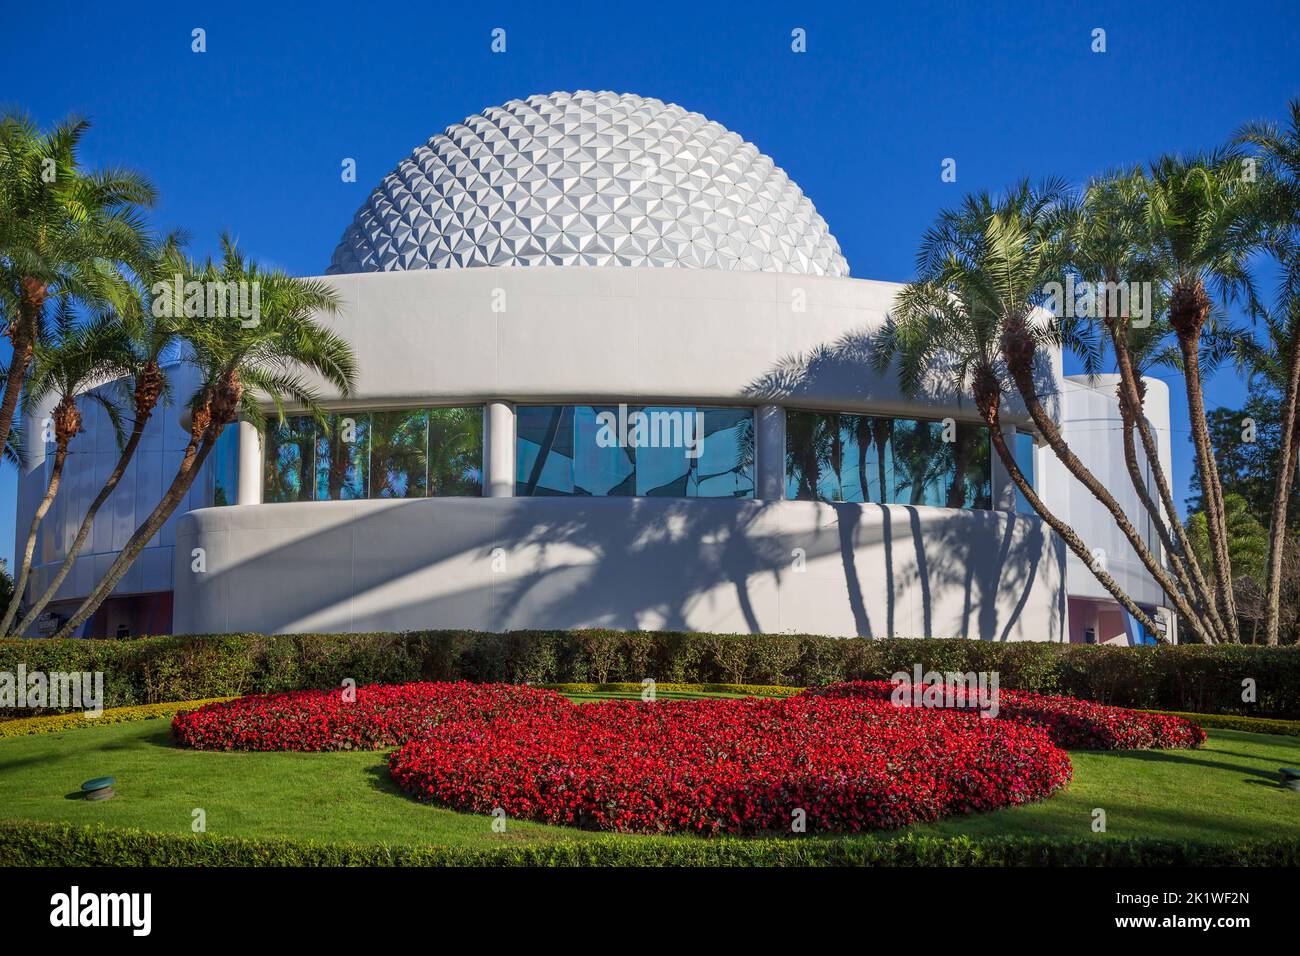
(1290, 777)
(101, 788)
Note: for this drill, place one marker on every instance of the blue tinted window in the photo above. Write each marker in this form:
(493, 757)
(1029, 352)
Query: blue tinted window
(862, 458)
(399, 454)
(455, 453)
(290, 468)
(544, 450)
(343, 457)
(1024, 451)
(405, 453)
(224, 460)
(650, 451)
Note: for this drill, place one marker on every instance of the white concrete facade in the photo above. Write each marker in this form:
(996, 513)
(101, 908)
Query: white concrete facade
(611, 335)
(1091, 426)
(699, 564)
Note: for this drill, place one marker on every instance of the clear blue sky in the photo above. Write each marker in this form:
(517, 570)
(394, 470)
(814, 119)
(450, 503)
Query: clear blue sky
(249, 135)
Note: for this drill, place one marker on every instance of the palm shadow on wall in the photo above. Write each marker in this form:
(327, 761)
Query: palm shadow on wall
(844, 372)
(661, 562)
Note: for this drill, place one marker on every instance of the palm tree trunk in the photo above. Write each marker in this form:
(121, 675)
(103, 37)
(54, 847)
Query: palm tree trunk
(1022, 374)
(24, 570)
(128, 452)
(1139, 485)
(1211, 490)
(1132, 392)
(989, 412)
(1189, 310)
(201, 442)
(14, 385)
(1282, 490)
(21, 334)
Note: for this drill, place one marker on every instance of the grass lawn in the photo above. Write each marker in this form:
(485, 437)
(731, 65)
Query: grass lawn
(1225, 791)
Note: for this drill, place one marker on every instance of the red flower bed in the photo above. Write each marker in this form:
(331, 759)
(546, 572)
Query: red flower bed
(380, 716)
(847, 760)
(1074, 724)
(731, 766)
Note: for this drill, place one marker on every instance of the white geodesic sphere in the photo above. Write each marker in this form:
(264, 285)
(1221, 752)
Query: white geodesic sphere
(588, 179)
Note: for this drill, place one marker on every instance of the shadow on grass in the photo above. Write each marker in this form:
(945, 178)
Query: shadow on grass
(381, 780)
(1183, 757)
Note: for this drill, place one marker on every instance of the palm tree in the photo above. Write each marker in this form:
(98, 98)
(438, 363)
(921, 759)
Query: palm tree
(241, 363)
(149, 337)
(79, 355)
(1031, 234)
(1280, 150)
(1201, 223)
(64, 233)
(983, 271)
(1109, 247)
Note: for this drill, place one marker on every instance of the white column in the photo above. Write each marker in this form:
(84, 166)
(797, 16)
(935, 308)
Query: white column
(1004, 491)
(499, 477)
(249, 488)
(769, 472)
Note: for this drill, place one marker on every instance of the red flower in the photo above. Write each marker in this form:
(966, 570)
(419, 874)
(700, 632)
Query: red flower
(840, 759)
(1073, 724)
(382, 715)
(731, 766)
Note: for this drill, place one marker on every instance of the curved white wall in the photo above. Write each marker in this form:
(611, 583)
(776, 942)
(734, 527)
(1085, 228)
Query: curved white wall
(628, 334)
(691, 564)
(503, 336)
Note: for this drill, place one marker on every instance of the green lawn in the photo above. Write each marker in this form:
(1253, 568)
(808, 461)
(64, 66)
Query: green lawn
(1226, 791)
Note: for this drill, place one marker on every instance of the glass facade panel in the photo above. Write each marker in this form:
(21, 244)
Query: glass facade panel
(649, 451)
(724, 467)
(601, 467)
(860, 458)
(290, 469)
(399, 454)
(407, 453)
(544, 450)
(456, 451)
(1024, 452)
(225, 466)
(343, 457)
(972, 485)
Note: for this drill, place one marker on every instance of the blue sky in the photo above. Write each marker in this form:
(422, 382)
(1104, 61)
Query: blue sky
(249, 136)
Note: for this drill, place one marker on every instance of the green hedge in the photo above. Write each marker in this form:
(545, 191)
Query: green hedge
(152, 670)
(25, 843)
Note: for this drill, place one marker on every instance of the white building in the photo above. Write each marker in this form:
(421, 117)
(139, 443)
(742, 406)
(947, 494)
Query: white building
(522, 293)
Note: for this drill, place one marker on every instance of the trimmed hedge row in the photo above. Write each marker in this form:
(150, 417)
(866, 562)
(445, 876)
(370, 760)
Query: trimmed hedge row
(27, 843)
(1180, 678)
